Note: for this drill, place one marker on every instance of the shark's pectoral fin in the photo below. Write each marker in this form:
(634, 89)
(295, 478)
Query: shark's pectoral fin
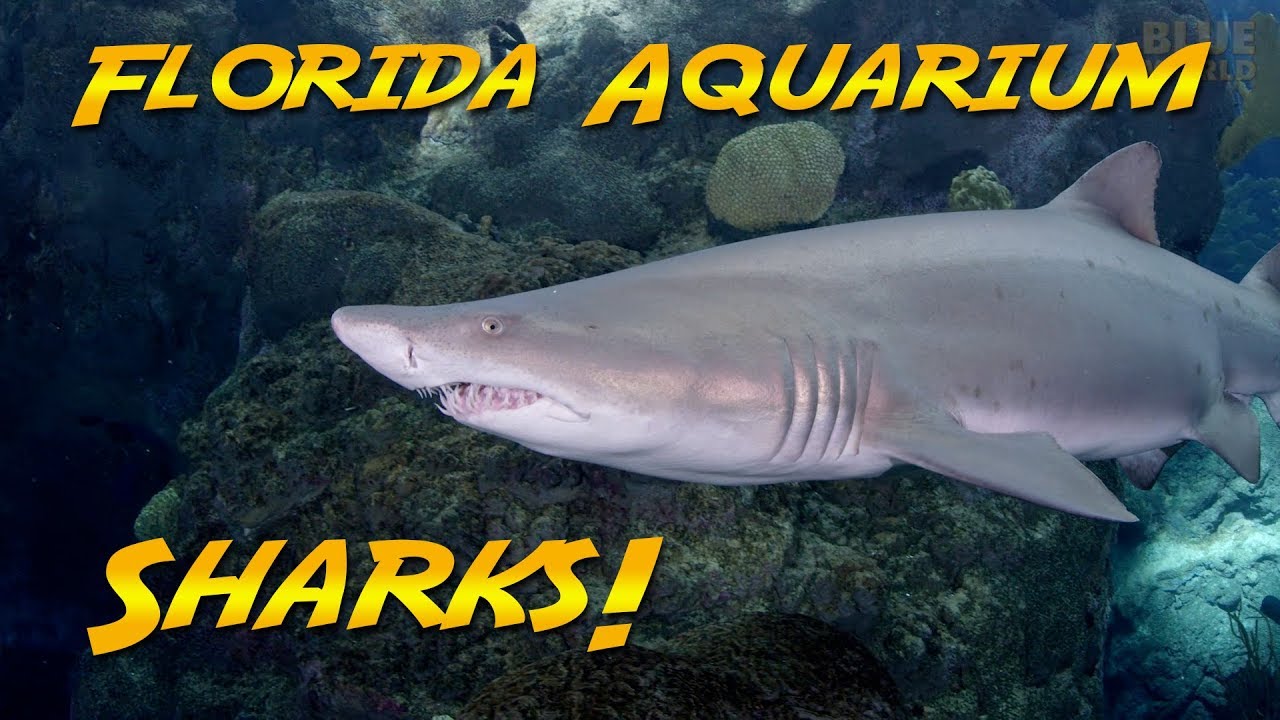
(1145, 467)
(1272, 401)
(1230, 429)
(1030, 466)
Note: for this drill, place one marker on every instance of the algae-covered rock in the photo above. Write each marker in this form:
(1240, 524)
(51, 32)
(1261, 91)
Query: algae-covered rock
(774, 667)
(556, 181)
(311, 253)
(978, 189)
(775, 175)
(1260, 117)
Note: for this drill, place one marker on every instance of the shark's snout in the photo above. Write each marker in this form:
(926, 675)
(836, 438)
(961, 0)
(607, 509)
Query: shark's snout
(441, 362)
(341, 322)
(351, 326)
(377, 340)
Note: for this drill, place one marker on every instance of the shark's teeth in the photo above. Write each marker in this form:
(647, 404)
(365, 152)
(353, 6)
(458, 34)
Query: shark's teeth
(456, 399)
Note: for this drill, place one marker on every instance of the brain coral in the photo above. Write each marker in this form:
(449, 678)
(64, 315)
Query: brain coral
(978, 189)
(775, 175)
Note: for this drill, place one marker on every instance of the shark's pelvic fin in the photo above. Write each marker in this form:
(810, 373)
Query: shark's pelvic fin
(1143, 468)
(1121, 187)
(1030, 466)
(1272, 401)
(1230, 429)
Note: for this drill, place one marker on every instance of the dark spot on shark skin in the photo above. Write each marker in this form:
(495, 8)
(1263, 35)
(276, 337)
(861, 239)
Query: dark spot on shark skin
(1091, 263)
(591, 327)
(1107, 324)
(1121, 260)
(1032, 383)
(1199, 369)
(1206, 315)
(1015, 365)
(1217, 307)
(1236, 300)
(995, 406)
(977, 392)
(999, 293)
(1062, 294)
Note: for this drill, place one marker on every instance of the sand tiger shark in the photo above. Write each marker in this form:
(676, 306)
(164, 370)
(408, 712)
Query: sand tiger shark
(998, 348)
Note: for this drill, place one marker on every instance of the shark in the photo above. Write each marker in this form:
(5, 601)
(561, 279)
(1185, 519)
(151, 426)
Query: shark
(999, 348)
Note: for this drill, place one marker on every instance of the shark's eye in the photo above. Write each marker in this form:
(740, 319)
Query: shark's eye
(491, 325)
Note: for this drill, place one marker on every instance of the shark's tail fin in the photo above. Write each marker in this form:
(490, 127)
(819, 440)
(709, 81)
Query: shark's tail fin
(1265, 278)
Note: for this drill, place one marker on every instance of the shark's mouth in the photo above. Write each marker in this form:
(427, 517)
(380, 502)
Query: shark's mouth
(463, 399)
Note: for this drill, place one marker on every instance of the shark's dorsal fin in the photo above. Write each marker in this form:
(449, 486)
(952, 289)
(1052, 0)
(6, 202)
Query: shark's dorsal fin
(1122, 187)
(1265, 275)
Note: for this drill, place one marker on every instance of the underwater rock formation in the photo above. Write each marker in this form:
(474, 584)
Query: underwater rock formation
(978, 189)
(769, 667)
(305, 442)
(775, 175)
(1207, 545)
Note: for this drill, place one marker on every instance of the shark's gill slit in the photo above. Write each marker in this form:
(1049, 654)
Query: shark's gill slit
(789, 397)
(813, 383)
(830, 388)
(842, 429)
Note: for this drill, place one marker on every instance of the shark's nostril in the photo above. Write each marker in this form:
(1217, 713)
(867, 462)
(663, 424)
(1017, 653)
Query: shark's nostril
(412, 362)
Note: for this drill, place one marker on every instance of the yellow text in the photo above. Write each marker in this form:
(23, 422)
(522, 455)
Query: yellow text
(320, 581)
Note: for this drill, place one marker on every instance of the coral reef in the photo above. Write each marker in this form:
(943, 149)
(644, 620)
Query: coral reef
(1260, 117)
(775, 175)
(777, 667)
(978, 189)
